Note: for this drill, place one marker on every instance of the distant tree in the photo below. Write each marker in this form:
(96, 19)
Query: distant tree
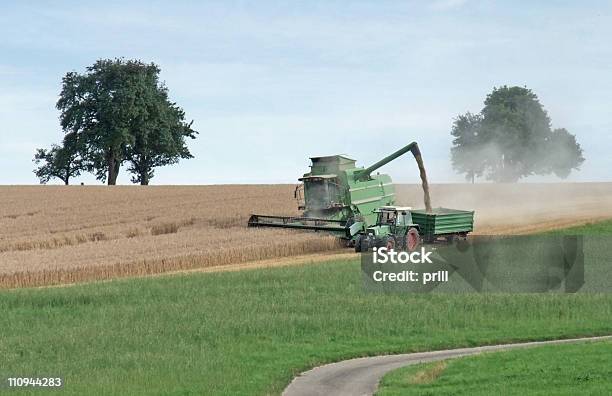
(466, 145)
(112, 106)
(62, 162)
(159, 135)
(511, 138)
(564, 153)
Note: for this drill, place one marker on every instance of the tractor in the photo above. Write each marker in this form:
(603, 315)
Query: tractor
(394, 229)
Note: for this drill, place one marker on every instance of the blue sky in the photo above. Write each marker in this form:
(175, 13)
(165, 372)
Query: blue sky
(269, 84)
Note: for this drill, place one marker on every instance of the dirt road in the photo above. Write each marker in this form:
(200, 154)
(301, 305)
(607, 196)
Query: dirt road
(357, 377)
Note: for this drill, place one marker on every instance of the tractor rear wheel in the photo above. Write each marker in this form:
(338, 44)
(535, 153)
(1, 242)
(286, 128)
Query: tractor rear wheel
(413, 239)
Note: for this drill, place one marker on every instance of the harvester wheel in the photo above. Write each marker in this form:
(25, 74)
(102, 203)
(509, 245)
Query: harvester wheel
(358, 245)
(412, 239)
(365, 245)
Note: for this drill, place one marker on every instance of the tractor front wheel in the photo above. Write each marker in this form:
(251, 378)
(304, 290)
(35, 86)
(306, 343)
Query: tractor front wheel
(389, 243)
(413, 239)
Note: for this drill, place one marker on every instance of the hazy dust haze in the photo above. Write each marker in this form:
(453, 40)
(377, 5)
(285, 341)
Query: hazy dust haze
(519, 207)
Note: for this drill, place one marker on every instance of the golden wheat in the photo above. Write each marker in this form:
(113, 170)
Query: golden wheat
(58, 234)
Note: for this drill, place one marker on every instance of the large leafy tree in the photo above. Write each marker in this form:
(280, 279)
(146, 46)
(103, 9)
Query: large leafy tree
(565, 153)
(511, 138)
(159, 133)
(62, 162)
(118, 108)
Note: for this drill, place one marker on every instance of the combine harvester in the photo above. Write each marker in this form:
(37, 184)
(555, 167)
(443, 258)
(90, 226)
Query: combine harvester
(338, 197)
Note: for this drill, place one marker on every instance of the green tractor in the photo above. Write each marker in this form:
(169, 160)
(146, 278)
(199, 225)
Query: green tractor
(393, 229)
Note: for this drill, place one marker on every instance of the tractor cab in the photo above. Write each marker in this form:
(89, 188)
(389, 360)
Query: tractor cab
(391, 219)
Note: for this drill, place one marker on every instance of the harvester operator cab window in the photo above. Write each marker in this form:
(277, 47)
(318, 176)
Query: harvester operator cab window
(318, 194)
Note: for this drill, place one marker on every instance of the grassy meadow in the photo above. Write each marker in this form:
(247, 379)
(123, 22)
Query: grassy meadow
(250, 332)
(593, 228)
(577, 369)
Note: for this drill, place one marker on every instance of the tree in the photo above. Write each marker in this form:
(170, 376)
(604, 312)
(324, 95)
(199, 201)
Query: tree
(466, 144)
(511, 138)
(564, 153)
(112, 106)
(159, 135)
(62, 162)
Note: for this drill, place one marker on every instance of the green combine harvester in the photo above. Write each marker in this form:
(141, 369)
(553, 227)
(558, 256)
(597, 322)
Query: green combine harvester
(338, 197)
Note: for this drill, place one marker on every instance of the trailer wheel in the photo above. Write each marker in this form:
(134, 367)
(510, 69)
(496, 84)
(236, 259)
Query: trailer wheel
(412, 239)
(462, 243)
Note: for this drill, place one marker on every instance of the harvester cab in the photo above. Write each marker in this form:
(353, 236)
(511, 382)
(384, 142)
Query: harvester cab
(394, 229)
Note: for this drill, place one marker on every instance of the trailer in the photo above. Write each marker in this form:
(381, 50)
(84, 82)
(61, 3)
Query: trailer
(443, 223)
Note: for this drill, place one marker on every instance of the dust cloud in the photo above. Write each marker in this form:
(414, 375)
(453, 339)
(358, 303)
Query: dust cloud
(518, 207)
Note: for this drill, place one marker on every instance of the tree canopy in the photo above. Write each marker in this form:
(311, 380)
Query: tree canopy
(62, 162)
(119, 111)
(511, 138)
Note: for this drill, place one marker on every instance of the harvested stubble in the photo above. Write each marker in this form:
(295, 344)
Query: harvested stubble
(57, 234)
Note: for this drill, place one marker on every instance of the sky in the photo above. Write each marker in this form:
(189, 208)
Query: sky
(270, 84)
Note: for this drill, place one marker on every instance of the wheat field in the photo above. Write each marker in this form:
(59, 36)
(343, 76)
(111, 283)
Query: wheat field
(58, 234)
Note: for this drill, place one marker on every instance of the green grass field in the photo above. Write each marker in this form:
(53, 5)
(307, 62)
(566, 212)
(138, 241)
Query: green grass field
(250, 332)
(580, 369)
(599, 228)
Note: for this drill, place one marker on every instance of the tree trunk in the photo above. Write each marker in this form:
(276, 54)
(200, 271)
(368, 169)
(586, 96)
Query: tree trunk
(144, 172)
(113, 169)
(144, 179)
(473, 177)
